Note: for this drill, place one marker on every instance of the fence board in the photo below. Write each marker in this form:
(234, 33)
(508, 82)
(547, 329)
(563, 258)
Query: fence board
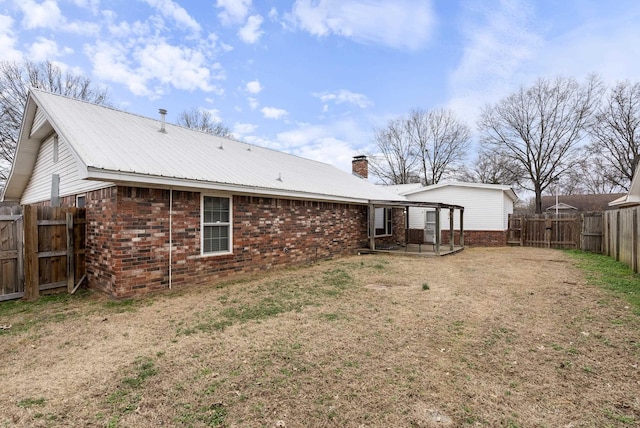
(592, 232)
(31, 265)
(11, 283)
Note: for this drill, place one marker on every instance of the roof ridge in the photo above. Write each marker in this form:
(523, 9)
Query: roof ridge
(117, 110)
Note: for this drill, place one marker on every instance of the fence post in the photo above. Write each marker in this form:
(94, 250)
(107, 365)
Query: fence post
(31, 268)
(451, 237)
(618, 235)
(462, 227)
(71, 269)
(634, 241)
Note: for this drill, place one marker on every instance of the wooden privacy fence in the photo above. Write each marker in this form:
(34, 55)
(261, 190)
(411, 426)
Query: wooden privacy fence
(41, 249)
(621, 238)
(581, 231)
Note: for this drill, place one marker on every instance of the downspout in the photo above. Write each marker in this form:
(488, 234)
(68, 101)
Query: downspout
(170, 234)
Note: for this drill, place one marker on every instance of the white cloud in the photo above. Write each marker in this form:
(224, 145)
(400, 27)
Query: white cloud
(110, 63)
(48, 15)
(240, 129)
(183, 68)
(172, 10)
(44, 49)
(251, 32)
(344, 96)
(233, 11)
(215, 114)
(92, 5)
(41, 15)
(588, 48)
(8, 40)
(500, 41)
(253, 103)
(273, 14)
(405, 24)
(273, 113)
(158, 65)
(254, 87)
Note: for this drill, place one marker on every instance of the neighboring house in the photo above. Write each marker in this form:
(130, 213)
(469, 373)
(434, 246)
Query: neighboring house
(486, 209)
(167, 205)
(578, 203)
(561, 207)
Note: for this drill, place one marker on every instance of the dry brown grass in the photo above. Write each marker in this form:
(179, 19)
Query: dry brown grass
(489, 337)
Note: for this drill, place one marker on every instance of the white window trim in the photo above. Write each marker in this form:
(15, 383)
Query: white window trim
(202, 225)
(82, 195)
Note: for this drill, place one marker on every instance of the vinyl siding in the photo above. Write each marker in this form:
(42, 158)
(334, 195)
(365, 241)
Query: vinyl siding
(38, 120)
(508, 209)
(484, 209)
(39, 187)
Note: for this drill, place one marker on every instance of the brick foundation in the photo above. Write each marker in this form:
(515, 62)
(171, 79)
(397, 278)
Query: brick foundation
(478, 238)
(128, 237)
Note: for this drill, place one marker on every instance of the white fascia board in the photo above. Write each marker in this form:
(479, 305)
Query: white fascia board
(128, 178)
(24, 157)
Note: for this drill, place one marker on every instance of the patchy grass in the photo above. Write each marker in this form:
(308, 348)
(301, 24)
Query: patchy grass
(30, 402)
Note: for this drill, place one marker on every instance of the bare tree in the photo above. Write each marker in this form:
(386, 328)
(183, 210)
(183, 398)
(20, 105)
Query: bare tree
(616, 134)
(540, 128)
(492, 169)
(203, 120)
(423, 147)
(396, 162)
(439, 140)
(588, 176)
(15, 81)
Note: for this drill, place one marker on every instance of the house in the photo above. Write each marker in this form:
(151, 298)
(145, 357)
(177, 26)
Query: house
(632, 197)
(578, 203)
(486, 209)
(169, 206)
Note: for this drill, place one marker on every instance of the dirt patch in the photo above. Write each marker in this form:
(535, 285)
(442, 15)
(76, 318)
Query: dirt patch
(488, 337)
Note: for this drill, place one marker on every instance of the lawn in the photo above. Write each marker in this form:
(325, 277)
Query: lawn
(507, 337)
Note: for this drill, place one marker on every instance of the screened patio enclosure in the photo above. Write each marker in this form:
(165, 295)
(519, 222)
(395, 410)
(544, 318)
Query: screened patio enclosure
(415, 227)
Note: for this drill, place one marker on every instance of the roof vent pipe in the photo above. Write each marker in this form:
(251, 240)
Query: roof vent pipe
(163, 114)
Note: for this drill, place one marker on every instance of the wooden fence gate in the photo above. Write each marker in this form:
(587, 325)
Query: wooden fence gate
(41, 249)
(11, 253)
(563, 231)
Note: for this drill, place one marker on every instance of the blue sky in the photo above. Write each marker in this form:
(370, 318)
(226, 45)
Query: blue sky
(315, 77)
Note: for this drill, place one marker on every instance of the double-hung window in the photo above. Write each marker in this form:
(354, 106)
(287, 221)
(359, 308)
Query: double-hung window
(216, 225)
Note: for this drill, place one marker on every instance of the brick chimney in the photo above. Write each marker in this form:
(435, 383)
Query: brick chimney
(360, 166)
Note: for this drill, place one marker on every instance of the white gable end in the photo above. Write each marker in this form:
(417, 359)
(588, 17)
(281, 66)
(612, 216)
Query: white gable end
(484, 209)
(39, 186)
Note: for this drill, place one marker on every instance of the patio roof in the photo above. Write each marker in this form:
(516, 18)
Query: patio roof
(416, 204)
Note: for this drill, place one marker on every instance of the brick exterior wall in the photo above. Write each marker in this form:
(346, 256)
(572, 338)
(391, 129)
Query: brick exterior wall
(477, 238)
(127, 250)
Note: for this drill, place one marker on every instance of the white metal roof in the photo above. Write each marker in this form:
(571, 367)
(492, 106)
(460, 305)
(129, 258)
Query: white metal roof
(632, 198)
(117, 146)
(411, 188)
